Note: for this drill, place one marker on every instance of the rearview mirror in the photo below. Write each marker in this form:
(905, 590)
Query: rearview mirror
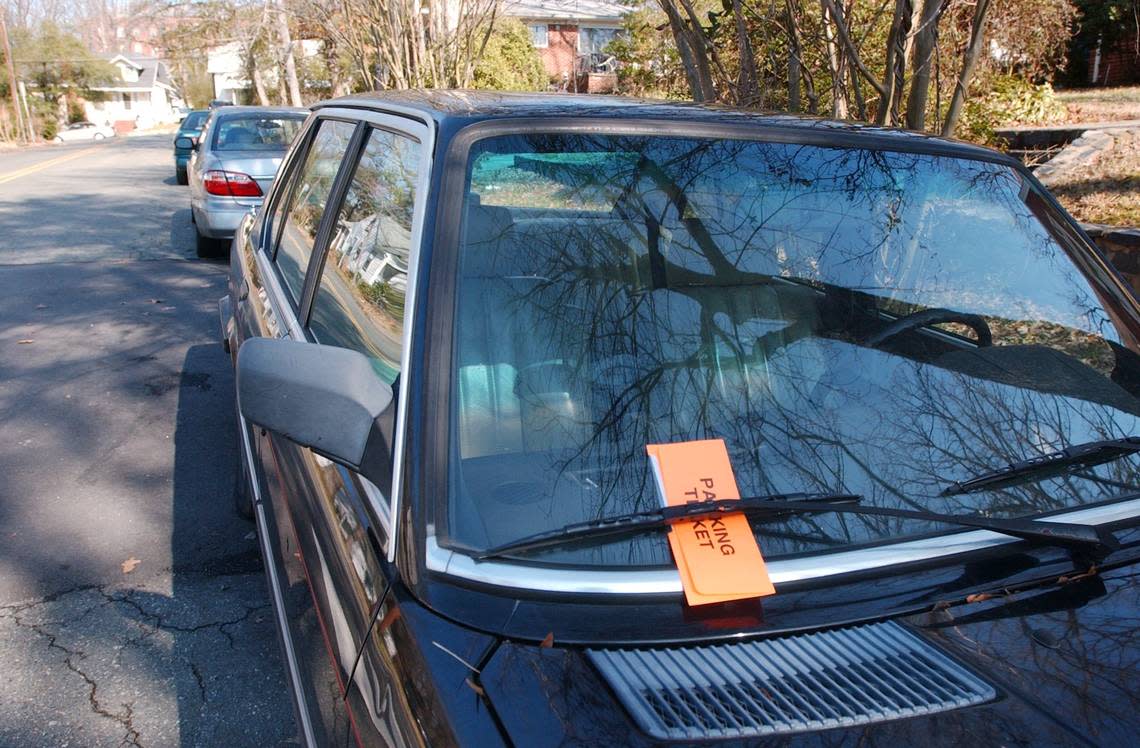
(322, 397)
(185, 143)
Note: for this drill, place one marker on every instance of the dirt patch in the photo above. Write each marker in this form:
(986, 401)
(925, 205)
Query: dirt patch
(1106, 190)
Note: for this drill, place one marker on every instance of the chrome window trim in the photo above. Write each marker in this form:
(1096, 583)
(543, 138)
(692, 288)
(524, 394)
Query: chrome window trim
(282, 309)
(275, 590)
(423, 131)
(380, 509)
(667, 581)
(298, 149)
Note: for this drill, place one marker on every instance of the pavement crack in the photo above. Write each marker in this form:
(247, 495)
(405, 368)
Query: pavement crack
(72, 658)
(200, 680)
(158, 622)
(12, 609)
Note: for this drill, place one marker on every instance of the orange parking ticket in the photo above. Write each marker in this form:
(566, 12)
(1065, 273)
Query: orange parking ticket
(718, 557)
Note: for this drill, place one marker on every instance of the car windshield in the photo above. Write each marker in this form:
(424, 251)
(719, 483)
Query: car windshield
(194, 121)
(256, 132)
(847, 320)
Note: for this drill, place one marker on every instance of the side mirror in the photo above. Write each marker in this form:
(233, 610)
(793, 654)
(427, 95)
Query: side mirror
(185, 143)
(322, 397)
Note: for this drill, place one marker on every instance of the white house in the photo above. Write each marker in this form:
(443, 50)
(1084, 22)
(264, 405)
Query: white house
(143, 96)
(224, 64)
(227, 70)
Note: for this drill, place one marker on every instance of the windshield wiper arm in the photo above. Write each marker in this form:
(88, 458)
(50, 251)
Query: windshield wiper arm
(1080, 538)
(1050, 465)
(768, 507)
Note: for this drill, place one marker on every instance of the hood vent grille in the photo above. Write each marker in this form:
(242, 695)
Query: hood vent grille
(817, 681)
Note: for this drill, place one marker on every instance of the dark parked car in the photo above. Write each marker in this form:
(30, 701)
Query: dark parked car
(190, 128)
(460, 318)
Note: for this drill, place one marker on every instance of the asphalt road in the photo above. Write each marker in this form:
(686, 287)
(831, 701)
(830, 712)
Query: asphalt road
(133, 607)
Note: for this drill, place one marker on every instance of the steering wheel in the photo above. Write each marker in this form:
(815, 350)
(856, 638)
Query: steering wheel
(933, 317)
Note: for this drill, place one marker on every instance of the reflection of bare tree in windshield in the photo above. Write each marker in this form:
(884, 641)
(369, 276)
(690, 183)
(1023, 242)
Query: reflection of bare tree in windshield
(729, 289)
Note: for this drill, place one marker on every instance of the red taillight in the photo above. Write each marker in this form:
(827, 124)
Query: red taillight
(231, 184)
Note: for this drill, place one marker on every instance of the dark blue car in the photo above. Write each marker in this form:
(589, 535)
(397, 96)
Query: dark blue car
(191, 127)
(460, 318)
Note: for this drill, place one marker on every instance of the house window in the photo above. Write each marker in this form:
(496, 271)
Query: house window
(538, 35)
(127, 101)
(593, 40)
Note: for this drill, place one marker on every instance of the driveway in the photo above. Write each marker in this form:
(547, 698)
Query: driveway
(133, 607)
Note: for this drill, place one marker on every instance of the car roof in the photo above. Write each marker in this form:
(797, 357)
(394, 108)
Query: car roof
(235, 111)
(452, 106)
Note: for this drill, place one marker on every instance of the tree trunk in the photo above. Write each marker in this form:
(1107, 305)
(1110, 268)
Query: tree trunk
(921, 65)
(855, 60)
(693, 57)
(795, 65)
(708, 54)
(285, 39)
(793, 82)
(7, 50)
(894, 70)
(748, 86)
(835, 64)
(973, 51)
(259, 87)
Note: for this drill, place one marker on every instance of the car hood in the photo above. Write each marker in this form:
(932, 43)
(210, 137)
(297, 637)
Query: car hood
(1062, 662)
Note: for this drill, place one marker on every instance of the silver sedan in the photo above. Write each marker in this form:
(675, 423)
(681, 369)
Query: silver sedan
(233, 166)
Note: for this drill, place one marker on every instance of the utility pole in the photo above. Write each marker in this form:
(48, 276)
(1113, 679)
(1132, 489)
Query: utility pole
(20, 130)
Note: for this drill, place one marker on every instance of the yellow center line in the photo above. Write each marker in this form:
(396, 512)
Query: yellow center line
(14, 175)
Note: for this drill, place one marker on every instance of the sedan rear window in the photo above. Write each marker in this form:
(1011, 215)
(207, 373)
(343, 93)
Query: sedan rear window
(256, 132)
(194, 121)
(847, 320)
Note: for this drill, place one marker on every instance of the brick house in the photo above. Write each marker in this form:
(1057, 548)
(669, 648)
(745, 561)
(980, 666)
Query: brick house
(570, 36)
(1114, 65)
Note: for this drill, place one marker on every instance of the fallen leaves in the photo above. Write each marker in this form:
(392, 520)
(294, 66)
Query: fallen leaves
(130, 564)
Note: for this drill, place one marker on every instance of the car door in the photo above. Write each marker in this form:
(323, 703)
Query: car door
(359, 303)
(352, 192)
(274, 258)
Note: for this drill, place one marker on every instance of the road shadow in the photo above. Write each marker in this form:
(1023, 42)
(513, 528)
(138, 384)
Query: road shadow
(170, 180)
(182, 232)
(177, 652)
(222, 657)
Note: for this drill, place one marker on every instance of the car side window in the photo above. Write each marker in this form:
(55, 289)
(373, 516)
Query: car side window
(306, 205)
(359, 303)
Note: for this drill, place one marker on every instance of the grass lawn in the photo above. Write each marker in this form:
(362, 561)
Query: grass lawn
(1106, 190)
(1101, 104)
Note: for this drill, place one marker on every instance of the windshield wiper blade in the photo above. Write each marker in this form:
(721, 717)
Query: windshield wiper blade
(638, 522)
(1050, 465)
(1085, 539)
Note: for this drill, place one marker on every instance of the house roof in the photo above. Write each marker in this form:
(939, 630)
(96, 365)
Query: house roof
(152, 71)
(569, 10)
